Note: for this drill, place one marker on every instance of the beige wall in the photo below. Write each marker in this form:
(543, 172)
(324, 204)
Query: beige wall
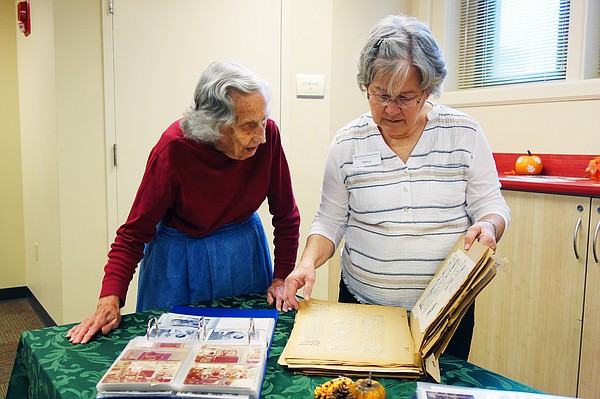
(81, 153)
(39, 152)
(305, 122)
(62, 149)
(62, 135)
(326, 40)
(12, 246)
(567, 127)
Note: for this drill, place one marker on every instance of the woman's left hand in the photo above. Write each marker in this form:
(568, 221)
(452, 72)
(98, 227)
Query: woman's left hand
(275, 293)
(483, 232)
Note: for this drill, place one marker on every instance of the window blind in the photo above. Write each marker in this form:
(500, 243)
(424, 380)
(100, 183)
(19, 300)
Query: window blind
(512, 41)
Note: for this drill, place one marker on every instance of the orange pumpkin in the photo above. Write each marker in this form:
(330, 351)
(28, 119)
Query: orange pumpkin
(528, 164)
(367, 388)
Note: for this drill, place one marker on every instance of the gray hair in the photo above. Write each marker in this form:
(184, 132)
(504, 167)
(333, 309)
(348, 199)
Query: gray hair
(398, 38)
(212, 107)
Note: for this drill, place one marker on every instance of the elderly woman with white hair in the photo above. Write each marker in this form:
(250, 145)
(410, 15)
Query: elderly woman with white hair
(402, 182)
(194, 224)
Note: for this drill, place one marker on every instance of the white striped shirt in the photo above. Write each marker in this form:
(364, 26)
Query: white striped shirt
(400, 220)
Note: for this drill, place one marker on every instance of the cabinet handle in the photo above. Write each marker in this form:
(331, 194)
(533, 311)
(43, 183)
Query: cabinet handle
(595, 242)
(577, 226)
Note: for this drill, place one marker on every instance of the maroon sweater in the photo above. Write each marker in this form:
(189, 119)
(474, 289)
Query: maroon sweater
(196, 189)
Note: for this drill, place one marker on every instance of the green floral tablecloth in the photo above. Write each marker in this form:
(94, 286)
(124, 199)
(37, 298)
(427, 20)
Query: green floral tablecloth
(47, 365)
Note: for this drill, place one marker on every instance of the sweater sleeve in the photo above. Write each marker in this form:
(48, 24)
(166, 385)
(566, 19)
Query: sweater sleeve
(282, 205)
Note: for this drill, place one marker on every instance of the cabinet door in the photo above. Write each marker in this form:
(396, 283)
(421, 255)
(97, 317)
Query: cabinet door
(528, 320)
(589, 381)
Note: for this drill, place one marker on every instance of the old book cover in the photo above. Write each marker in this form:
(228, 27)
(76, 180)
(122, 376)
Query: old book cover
(331, 337)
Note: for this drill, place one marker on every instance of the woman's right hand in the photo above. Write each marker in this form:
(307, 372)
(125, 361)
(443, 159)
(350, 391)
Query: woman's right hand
(106, 318)
(318, 249)
(302, 276)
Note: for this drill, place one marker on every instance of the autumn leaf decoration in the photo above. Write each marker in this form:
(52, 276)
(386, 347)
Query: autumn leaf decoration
(593, 168)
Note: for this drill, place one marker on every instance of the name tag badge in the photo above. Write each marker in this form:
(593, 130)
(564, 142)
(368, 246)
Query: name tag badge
(368, 159)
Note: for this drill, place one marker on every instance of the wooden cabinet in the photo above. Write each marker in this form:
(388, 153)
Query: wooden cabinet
(531, 324)
(589, 374)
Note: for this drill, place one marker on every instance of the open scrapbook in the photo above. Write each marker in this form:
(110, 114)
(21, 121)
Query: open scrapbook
(330, 338)
(194, 353)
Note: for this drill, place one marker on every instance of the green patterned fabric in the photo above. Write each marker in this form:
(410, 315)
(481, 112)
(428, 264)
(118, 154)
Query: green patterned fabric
(49, 366)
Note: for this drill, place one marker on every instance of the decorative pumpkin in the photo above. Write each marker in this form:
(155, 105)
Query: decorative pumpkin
(593, 168)
(528, 164)
(367, 388)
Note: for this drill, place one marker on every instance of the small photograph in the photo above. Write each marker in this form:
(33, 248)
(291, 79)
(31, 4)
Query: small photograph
(228, 335)
(145, 344)
(181, 333)
(224, 375)
(169, 320)
(229, 354)
(152, 355)
(141, 372)
(172, 345)
(158, 355)
(237, 335)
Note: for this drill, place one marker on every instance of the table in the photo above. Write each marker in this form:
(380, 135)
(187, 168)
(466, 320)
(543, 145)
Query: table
(47, 365)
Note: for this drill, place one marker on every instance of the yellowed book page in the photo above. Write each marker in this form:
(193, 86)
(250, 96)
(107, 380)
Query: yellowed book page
(437, 339)
(439, 334)
(452, 277)
(442, 288)
(350, 334)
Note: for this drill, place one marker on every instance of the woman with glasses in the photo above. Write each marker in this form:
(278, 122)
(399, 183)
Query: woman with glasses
(402, 182)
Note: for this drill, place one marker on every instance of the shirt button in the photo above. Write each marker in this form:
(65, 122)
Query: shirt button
(406, 209)
(405, 189)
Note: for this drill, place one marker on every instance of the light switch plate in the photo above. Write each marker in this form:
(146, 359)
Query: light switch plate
(310, 85)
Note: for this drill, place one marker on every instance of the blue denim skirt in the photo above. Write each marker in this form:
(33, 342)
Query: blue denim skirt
(178, 269)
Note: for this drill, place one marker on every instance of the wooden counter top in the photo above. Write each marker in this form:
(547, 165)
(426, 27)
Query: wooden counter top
(562, 174)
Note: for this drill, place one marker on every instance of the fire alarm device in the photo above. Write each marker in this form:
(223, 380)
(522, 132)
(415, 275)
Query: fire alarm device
(24, 17)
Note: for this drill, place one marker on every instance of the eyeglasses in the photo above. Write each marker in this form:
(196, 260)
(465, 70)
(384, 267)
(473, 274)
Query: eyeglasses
(401, 102)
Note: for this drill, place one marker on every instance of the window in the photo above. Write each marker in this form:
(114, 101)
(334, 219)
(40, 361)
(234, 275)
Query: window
(506, 42)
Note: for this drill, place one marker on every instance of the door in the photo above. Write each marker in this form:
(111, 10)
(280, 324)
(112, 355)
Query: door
(155, 52)
(589, 370)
